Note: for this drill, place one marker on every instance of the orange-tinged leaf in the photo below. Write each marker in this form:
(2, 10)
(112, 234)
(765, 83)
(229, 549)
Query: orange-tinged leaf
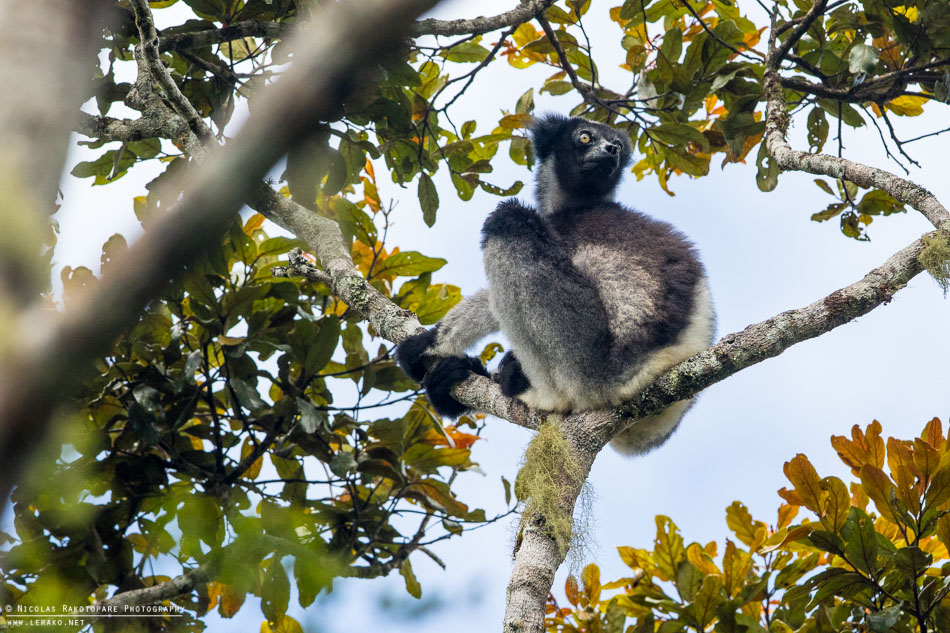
(862, 448)
(791, 496)
(859, 496)
(230, 600)
(900, 453)
(879, 487)
(786, 512)
(926, 458)
(933, 434)
(572, 591)
(213, 593)
(253, 223)
(368, 168)
(836, 505)
(807, 483)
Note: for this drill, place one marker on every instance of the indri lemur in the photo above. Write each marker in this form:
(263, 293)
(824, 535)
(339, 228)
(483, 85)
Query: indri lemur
(596, 299)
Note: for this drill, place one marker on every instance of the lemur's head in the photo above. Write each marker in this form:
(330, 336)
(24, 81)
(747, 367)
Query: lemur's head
(579, 161)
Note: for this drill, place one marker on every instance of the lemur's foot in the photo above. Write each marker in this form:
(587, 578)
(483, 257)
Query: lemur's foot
(510, 376)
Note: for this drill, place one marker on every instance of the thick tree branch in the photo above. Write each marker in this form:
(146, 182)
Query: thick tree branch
(229, 33)
(476, 26)
(149, 39)
(46, 349)
(430, 26)
(47, 49)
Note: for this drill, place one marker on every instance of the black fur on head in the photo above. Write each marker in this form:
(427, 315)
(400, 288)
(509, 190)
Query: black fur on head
(589, 157)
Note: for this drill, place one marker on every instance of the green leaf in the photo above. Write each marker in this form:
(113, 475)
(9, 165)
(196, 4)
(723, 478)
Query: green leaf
(912, 562)
(342, 464)
(824, 186)
(466, 52)
(766, 177)
(246, 394)
(412, 585)
(275, 590)
(428, 199)
(862, 59)
(817, 129)
(882, 621)
(408, 264)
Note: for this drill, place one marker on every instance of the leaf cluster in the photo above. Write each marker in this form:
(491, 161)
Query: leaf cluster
(867, 557)
(220, 430)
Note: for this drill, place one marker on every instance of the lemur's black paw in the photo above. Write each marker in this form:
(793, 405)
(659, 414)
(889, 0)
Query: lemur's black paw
(445, 375)
(411, 351)
(511, 218)
(510, 376)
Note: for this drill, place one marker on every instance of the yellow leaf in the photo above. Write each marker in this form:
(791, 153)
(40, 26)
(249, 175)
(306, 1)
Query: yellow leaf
(907, 105)
(668, 549)
(253, 223)
(735, 565)
(701, 560)
(525, 34)
(740, 522)
(786, 513)
(255, 468)
(879, 487)
(910, 13)
(591, 579)
(286, 624)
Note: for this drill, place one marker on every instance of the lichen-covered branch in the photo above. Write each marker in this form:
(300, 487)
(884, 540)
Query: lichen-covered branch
(476, 26)
(430, 26)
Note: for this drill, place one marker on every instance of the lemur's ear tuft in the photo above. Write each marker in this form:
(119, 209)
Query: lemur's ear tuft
(546, 131)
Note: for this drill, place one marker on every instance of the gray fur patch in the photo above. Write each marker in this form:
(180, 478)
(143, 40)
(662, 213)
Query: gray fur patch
(465, 324)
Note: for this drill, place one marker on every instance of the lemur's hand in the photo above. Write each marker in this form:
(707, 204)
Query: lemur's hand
(411, 355)
(411, 352)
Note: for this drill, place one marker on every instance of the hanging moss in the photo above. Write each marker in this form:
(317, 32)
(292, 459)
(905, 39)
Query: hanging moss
(935, 257)
(549, 468)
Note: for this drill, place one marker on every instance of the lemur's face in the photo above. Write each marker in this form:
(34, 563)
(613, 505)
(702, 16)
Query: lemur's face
(592, 158)
(596, 150)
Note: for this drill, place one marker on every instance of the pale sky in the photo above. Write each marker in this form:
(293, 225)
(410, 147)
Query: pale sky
(763, 255)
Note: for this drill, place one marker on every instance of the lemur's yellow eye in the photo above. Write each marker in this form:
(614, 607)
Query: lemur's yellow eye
(584, 137)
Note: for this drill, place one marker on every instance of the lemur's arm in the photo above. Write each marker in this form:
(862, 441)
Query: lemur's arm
(462, 327)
